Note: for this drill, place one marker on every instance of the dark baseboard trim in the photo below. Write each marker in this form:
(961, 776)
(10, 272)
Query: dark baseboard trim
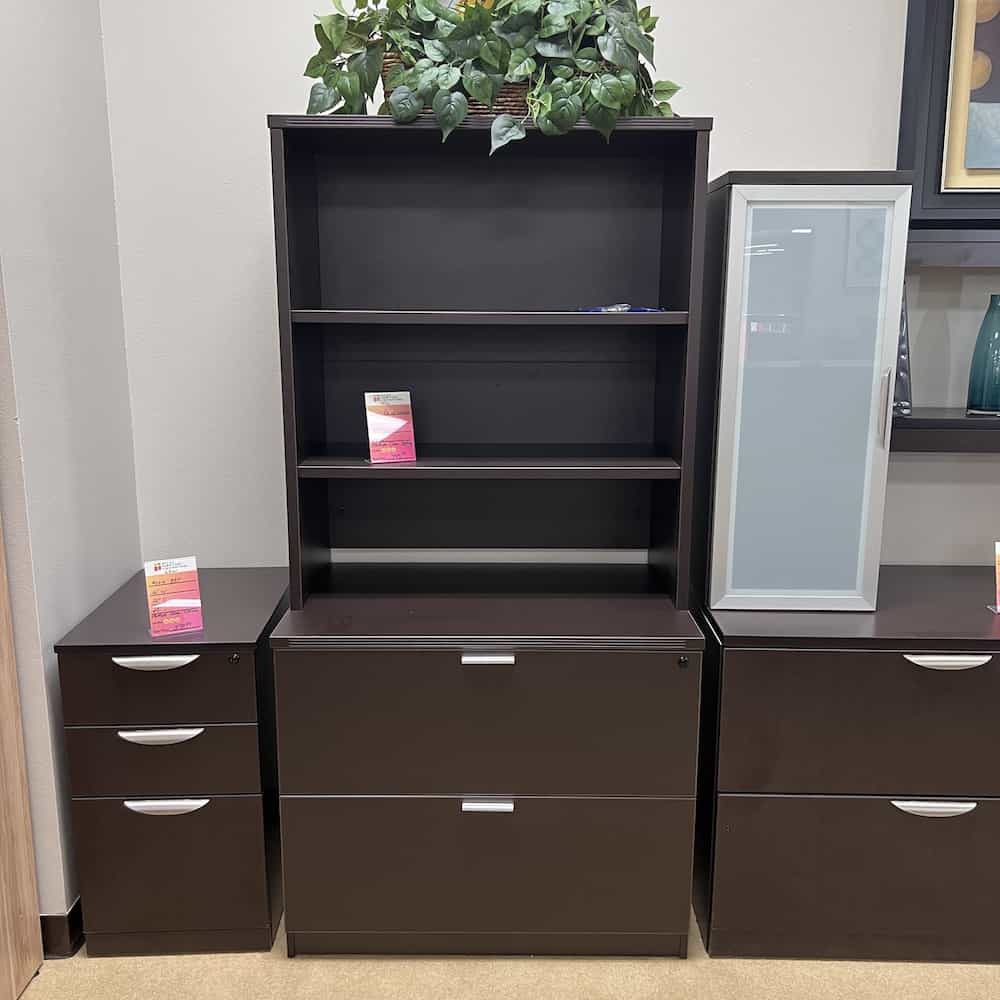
(62, 934)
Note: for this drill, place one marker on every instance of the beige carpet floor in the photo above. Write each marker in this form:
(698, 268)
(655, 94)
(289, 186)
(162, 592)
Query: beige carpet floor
(274, 977)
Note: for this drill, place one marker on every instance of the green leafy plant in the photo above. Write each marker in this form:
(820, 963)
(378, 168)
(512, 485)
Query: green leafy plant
(576, 58)
(581, 58)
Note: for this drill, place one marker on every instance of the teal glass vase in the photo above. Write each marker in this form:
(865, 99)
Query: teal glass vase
(984, 375)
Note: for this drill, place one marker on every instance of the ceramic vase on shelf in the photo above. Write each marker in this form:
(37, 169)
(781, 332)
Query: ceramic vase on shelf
(984, 375)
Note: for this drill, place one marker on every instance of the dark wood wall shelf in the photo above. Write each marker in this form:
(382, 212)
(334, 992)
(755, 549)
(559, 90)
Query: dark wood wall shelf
(470, 317)
(945, 429)
(966, 248)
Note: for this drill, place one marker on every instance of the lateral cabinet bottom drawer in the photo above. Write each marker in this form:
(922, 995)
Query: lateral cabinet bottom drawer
(438, 864)
(171, 864)
(866, 878)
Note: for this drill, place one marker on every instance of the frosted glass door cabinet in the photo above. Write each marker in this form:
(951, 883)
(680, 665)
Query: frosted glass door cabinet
(813, 289)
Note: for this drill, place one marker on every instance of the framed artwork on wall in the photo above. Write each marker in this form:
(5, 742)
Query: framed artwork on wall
(949, 133)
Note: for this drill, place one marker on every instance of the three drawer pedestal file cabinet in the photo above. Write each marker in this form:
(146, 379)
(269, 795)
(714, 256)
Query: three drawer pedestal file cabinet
(476, 774)
(172, 772)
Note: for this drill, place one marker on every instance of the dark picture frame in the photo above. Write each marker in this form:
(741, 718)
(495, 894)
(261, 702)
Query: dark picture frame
(923, 117)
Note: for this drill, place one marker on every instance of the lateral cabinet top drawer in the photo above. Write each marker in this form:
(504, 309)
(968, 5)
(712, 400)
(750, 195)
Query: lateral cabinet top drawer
(860, 722)
(158, 688)
(530, 723)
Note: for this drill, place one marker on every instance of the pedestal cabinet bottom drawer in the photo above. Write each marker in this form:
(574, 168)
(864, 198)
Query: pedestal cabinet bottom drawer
(174, 760)
(171, 864)
(454, 865)
(866, 878)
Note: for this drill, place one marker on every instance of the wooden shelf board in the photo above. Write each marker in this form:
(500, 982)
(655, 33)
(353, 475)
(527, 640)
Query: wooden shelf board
(335, 467)
(418, 317)
(945, 429)
(473, 123)
(969, 248)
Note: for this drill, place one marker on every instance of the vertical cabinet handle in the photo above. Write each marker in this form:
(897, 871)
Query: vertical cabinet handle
(154, 662)
(165, 807)
(488, 659)
(885, 430)
(934, 661)
(158, 737)
(934, 810)
(487, 805)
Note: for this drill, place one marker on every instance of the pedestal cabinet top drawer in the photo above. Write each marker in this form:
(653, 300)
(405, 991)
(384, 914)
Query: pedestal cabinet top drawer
(158, 688)
(865, 878)
(454, 865)
(860, 722)
(535, 723)
(180, 760)
(171, 864)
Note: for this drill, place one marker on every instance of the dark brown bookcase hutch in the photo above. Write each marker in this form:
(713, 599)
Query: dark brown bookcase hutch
(405, 264)
(492, 750)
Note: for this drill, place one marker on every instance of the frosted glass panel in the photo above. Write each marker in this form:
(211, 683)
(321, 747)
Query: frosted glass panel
(814, 286)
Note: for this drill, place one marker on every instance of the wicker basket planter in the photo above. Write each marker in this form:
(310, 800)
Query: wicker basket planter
(512, 99)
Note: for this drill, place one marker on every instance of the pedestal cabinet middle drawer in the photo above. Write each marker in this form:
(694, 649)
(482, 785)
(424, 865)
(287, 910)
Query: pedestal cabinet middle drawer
(453, 864)
(525, 723)
(161, 688)
(174, 760)
(860, 722)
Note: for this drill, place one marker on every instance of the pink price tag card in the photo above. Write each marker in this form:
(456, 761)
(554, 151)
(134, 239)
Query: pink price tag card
(390, 427)
(174, 596)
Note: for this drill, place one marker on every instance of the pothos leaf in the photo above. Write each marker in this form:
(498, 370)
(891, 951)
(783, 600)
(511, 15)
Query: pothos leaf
(635, 37)
(316, 66)
(492, 52)
(321, 98)
(588, 60)
(450, 109)
(558, 47)
(505, 128)
(603, 119)
(615, 49)
(334, 27)
(521, 66)
(368, 65)
(629, 82)
(404, 105)
(436, 50)
(477, 84)
(663, 90)
(609, 91)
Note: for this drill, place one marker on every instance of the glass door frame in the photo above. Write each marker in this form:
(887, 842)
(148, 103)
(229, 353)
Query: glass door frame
(896, 199)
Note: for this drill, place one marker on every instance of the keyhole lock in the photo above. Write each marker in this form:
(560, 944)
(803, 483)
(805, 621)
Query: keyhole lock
(234, 657)
(682, 661)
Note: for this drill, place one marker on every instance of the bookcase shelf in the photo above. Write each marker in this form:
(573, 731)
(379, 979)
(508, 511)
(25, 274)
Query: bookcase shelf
(461, 279)
(420, 317)
(333, 467)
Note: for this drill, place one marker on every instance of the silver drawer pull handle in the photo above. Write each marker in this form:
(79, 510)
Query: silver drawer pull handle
(158, 737)
(933, 661)
(488, 659)
(487, 805)
(154, 662)
(165, 807)
(935, 810)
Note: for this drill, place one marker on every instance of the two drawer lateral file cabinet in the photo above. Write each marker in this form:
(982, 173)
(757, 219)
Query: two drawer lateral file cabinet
(856, 802)
(170, 744)
(487, 684)
(503, 792)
